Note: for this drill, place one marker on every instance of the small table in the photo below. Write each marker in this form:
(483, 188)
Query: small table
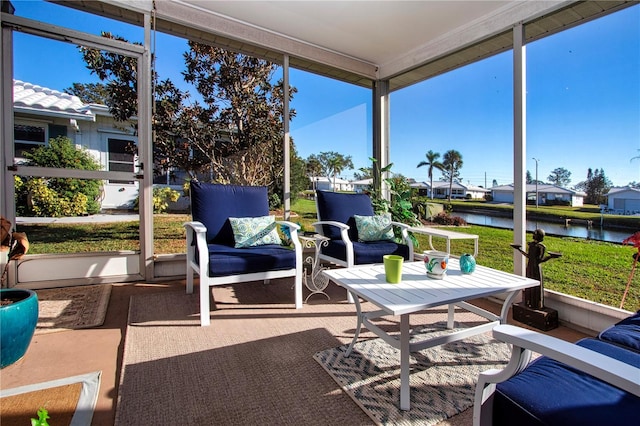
(315, 281)
(448, 235)
(417, 293)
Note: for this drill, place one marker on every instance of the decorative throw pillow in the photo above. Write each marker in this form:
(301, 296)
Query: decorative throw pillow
(254, 231)
(374, 228)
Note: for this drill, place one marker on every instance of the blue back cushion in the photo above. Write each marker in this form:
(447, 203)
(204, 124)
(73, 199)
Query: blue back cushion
(213, 205)
(341, 207)
(625, 333)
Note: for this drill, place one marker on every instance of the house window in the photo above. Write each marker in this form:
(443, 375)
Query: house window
(28, 136)
(121, 158)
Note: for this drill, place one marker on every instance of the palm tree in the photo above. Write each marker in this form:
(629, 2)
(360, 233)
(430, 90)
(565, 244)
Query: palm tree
(452, 161)
(334, 163)
(432, 162)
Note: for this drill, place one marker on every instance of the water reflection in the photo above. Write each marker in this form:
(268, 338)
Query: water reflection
(577, 230)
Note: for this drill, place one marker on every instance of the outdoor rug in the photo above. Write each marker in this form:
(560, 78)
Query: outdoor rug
(69, 308)
(69, 401)
(443, 378)
(253, 365)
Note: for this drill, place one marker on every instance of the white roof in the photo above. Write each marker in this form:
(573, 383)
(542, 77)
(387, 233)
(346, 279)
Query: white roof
(33, 99)
(541, 187)
(619, 189)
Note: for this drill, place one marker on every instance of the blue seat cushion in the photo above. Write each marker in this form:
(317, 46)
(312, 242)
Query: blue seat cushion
(548, 392)
(625, 333)
(365, 252)
(225, 260)
(213, 205)
(341, 207)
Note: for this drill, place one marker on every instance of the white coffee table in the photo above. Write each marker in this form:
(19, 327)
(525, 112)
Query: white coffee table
(416, 293)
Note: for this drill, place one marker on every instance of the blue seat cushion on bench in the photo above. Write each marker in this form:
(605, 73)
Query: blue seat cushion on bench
(225, 260)
(548, 392)
(625, 333)
(366, 252)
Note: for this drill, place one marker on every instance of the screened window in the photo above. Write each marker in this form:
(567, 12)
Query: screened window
(121, 158)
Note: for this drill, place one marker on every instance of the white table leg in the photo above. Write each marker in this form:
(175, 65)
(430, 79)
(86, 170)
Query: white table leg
(360, 316)
(450, 316)
(506, 305)
(405, 357)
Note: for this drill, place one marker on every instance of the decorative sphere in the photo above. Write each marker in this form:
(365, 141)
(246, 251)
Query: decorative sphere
(467, 263)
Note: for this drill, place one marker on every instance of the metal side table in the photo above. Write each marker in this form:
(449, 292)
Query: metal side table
(315, 281)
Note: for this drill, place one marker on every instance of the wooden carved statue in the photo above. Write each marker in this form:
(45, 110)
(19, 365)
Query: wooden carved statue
(536, 255)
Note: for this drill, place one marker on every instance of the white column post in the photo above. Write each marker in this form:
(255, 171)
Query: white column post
(145, 145)
(380, 132)
(519, 145)
(286, 142)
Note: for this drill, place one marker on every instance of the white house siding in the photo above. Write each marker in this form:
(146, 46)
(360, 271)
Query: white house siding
(503, 197)
(624, 200)
(325, 184)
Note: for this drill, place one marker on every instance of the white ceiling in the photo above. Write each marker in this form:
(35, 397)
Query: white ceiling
(373, 31)
(360, 41)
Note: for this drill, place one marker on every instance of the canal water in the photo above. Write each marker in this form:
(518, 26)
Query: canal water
(577, 230)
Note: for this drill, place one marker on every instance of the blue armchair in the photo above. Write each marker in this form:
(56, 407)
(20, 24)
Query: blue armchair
(232, 239)
(337, 221)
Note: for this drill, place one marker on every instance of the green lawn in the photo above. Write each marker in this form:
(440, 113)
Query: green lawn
(593, 270)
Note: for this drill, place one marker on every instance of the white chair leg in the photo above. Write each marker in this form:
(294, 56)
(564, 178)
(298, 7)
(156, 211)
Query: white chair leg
(205, 317)
(298, 291)
(189, 278)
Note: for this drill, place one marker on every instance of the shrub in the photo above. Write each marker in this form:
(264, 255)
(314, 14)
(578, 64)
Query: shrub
(446, 219)
(162, 196)
(56, 197)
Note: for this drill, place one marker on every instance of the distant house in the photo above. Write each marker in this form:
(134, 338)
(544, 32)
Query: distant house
(547, 195)
(327, 184)
(458, 190)
(362, 185)
(624, 200)
(41, 114)
(422, 188)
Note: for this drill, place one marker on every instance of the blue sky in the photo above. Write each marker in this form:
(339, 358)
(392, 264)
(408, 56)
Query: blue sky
(583, 101)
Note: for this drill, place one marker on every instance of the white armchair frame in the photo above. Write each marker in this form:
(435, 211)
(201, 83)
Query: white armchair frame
(524, 342)
(197, 246)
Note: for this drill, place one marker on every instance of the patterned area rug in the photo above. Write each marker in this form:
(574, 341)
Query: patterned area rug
(442, 378)
(69, 308)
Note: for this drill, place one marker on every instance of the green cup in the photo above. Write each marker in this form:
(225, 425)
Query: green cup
(393, 268)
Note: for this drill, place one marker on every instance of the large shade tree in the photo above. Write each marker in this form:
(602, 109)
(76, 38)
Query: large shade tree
(333, 163)
(234, 135)
(595, 186)
(431, 163)
(452, 162)
(560, 177)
